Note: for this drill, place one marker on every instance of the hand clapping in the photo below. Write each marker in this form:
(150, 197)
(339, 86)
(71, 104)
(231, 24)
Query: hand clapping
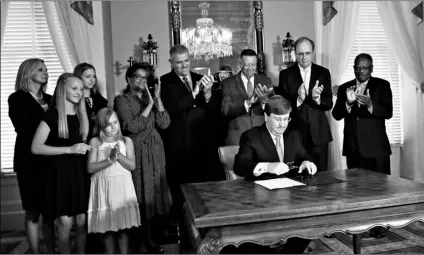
(114, 153)
(263, 92)
(317, 90)
(302, 92)
(350, 95)
(364, 99)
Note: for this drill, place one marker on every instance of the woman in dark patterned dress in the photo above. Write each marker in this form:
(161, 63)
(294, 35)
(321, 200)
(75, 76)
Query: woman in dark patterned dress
(60, 135)
(140, 114)
(26, 109)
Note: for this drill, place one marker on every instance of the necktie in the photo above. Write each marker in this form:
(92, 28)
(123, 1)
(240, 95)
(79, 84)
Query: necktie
(279, 147)
(185, 80)
(305, 76)
(249, 88)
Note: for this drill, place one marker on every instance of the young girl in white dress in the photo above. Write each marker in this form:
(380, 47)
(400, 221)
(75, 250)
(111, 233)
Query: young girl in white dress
(113, 206)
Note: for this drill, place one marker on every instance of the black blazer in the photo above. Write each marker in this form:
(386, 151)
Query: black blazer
(364, 130)
(25, 114)
(309, 112)
(185, 112)
(99, 102)
(256, 145)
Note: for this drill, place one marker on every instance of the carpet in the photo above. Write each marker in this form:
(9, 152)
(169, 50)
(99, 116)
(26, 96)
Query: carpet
(407, 240)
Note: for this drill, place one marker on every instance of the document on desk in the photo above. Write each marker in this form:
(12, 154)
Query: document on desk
(278, 183)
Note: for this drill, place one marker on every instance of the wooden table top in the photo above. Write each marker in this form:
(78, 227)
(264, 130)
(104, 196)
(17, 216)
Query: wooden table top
(239, 201)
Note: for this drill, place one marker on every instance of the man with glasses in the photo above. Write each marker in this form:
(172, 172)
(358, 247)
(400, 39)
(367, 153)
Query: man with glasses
(243, 96)
(365, 103)
(308, 88)
(266, 151)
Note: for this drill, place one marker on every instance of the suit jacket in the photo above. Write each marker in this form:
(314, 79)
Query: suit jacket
(233, 96)
(362, 130)
(186, 112)
(308, 117)
(25, 114)
(256, 145)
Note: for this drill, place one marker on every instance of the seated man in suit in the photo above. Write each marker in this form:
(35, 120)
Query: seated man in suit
(266, 149)
(243, 96)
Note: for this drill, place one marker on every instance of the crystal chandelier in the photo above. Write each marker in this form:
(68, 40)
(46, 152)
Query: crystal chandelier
(207, 40)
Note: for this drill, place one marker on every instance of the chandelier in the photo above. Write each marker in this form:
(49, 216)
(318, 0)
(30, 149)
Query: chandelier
(207, 39)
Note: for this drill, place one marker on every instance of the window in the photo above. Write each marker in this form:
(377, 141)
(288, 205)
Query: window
(26, 36)
(371, 39)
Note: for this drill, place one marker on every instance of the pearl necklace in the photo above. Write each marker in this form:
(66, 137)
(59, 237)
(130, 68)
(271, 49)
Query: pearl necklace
(35, 96)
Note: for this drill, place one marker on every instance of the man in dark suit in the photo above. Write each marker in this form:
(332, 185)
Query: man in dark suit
(243, 96)
(365, 103)
(190, 144)
(308, 88)
(265, 150)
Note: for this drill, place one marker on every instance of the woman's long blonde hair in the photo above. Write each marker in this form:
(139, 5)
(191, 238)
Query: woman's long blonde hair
(102, 121)
(58, 101)
(23, 78)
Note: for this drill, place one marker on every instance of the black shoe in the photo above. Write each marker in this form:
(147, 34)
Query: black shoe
(378, 232)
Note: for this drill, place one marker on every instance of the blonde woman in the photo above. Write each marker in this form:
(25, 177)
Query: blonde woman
(61, 135)
(26, 108)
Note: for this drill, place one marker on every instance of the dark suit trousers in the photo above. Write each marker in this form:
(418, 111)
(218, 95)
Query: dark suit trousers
(380, 164)
(319, 153)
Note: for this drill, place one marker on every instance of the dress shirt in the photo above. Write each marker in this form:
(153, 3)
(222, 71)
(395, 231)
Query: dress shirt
(306, 77)
(245, 80)
(265, 165)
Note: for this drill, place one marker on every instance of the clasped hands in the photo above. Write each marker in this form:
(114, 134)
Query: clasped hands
(279, 168)
(316, 91)
(114, 153)
(351, 97)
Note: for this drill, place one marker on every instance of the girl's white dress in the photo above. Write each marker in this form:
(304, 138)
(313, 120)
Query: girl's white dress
(113, 203)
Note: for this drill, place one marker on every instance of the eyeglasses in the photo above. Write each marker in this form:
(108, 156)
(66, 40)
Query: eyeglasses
(304, 54)
(251, 66)
(361, 68)
(139, 77)
(285, 120)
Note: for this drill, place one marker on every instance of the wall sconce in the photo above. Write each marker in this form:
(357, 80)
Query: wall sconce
(288, 51)
(150, 54)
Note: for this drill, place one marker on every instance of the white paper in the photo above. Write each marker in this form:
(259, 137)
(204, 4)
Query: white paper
(279, 183)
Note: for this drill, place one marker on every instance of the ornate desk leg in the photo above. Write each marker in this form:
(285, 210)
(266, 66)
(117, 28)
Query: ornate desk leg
(356, 243)
(209, 245)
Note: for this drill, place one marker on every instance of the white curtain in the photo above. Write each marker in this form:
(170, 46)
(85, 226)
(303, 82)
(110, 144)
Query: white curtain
(401, 29)
(69, 32)
(333, 48)
(4, 9)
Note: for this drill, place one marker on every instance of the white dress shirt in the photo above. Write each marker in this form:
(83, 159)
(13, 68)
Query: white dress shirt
(260, 167)
(306, 78)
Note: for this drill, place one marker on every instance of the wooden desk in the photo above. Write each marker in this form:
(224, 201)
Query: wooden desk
(238, 211)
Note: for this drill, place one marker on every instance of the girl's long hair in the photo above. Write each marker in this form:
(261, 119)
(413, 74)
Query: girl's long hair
(80, 69)
(102, 121)
(59, 100)
(23, 77)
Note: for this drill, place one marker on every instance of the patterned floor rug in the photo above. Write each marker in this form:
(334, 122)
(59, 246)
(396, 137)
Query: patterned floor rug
(407, 240)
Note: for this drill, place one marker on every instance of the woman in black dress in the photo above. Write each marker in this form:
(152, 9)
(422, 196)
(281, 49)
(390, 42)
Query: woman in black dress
(60, 135)
(26, 108)
(94, 101)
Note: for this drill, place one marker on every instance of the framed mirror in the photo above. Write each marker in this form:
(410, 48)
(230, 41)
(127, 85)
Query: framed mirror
(232, 26)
